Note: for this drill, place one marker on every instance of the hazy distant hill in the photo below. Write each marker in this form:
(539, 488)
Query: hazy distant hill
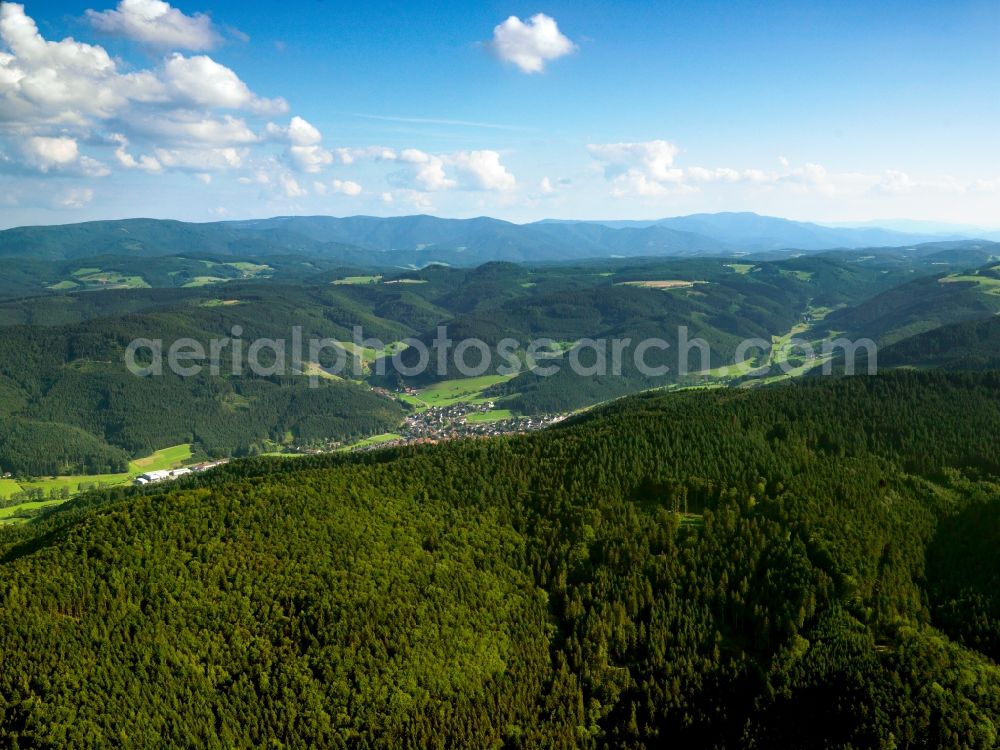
(419, 240)
(752, 232)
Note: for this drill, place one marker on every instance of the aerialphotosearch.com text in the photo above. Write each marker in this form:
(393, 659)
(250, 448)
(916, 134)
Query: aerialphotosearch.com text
(443, 357)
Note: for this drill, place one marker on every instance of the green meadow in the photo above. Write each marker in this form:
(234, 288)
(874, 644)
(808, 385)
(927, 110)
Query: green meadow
(166, 458)
(448, 392)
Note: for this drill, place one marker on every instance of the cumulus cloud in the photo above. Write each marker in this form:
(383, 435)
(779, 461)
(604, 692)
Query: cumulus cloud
(428, 172)
(47, 153)
(530, 45)
(467, 170)
(74, 84)
(346, 187)
(66, 82)
(643, 168)
(201, 80)
(310, 159)
(301, 133)
(304, 152)
(144, 162)
(653, 158)
(291, 187)
(202, 159)
(190, 127)
(75, 198)
(415, 199)
(56, 96)
(374, 153)
(60, 155)
(156, 24)
(482, 170)
(647, 169)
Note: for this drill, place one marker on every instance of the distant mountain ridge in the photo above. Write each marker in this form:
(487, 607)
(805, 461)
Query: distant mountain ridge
(416, 241)
(754, 232)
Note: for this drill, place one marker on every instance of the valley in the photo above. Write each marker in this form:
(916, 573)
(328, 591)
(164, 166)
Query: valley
(548, 511)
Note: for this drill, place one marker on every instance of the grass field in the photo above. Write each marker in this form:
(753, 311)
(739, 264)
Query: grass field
(353, 280)
(385, 437)
(200, 281)
(741, 268)
(167, 458)
(485, 417)
(462, 390)
(95, 278)
(800, 275)
(6, 514)
(249, 270)
(9, 487)
(988, 284)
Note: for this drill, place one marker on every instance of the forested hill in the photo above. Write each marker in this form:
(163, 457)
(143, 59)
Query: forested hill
(420, 240)
(805, 566)
(972, 345)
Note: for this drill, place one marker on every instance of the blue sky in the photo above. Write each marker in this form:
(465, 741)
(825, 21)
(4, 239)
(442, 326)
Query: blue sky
(834, 112)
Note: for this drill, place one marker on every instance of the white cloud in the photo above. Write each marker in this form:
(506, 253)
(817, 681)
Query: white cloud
(155, 23)
(414, 198)
(64, 82)
(47, 153)
(59, 154)
(482, 170)
(985, 186)
(144, 162)
(530, 45)
(201, 80)
(647, 169)
(75, 198)
(719, 174)
(291, 187)
(471, 170)
(189, 127)
(642, 168)
(310, 159)
(299, 132)
(655, 159)
(75, 84)
(57, 96)
(546, 186)
(202, 159)
(305, 152)
(373, 153)
(346, 187)
(429, 172)
(204, 177)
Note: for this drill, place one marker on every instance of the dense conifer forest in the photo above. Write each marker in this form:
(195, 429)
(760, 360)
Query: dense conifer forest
(811, 565)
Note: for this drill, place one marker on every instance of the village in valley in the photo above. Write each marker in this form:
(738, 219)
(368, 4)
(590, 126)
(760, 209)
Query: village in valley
(435, 424)
(462, 420)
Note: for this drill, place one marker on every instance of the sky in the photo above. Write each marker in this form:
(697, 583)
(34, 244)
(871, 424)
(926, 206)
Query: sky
(204, 110)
